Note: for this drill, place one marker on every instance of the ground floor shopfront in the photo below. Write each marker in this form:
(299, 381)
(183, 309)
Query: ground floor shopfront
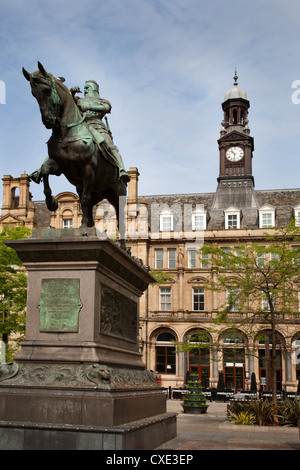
(233, 353)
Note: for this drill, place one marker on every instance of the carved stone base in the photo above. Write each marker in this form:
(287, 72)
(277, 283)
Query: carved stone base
(81, 406)
(70, 376)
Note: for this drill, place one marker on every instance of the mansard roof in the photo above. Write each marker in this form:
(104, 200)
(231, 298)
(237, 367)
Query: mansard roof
(284, 201)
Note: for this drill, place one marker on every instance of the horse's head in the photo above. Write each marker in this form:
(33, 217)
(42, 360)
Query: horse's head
(43, 88)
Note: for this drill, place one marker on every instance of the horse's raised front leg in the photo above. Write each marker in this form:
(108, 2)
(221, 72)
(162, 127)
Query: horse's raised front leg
(119, 204)
(50, 167)
(86, 197)
(121, 220)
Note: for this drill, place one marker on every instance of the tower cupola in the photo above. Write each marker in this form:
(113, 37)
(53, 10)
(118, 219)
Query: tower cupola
(235, 107)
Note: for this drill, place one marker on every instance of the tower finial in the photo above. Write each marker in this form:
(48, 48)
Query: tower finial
(235, 78)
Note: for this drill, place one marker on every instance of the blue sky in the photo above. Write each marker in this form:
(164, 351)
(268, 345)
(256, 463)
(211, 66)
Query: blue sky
(165, 65)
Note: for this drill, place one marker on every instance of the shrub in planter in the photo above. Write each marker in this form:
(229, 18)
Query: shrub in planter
(194, 400)
(289, 412)
(262, 411)
(244, 417)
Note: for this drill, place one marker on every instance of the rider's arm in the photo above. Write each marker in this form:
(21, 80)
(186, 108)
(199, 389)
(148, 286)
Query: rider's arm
(100, 106)
(103, 106)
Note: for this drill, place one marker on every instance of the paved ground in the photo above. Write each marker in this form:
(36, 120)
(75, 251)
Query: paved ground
(211, 431)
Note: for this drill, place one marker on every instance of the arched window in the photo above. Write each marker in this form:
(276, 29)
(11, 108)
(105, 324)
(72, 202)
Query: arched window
(235, 118)
(234, 337)
(165, 337)
(67, 218)
(15, 198)
(165, 353)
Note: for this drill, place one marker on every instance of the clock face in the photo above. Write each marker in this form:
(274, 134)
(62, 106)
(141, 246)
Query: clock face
(234, 154)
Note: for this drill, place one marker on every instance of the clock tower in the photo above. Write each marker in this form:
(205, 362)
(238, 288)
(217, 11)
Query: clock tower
(235, 197)
(235, 144)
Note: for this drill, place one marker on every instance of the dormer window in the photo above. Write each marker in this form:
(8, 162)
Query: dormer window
(297, 215)
(166, 222)
(232, 218)
(267, 216)
(199, 220)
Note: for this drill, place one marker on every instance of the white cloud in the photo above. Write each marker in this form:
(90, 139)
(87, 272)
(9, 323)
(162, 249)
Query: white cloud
(165, 65)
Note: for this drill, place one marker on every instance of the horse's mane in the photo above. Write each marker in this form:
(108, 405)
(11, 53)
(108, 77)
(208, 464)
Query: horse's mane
(65, 93)
(60, 84)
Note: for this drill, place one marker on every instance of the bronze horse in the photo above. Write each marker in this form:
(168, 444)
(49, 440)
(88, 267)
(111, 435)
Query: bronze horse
(73, 152)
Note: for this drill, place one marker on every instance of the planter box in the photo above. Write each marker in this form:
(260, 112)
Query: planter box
(195, 409)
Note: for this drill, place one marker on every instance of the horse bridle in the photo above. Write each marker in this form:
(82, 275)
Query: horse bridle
(57, 102)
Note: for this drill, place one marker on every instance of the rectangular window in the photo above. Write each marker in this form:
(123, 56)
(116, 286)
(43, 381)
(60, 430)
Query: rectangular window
(198, 222)
(205, 260)
(232, 221)
(171, 259)
(274, 257)
(267, 220)
(166, 223)
(296, 255)
(198, 299)
(165, 299)
(261, 260)
(165, 360)
(192, 259)
(67, 223)
(266, 303)
(159, 259)
(232, 299)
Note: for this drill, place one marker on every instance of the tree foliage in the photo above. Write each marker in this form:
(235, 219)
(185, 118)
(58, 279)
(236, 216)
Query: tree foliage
(161, 277)
(259, 280)
(13, 288)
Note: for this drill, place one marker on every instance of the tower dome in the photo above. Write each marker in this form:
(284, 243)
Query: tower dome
(235, 92)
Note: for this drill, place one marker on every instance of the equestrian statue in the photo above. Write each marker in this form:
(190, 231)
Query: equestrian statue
(81, 146)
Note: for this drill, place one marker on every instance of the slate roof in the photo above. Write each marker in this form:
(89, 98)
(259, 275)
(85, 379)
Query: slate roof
(42, 215)
(283, 200)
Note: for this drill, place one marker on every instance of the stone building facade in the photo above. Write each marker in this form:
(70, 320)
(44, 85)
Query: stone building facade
(166, 232)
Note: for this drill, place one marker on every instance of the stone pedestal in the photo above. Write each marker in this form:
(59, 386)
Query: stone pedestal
(79, 381)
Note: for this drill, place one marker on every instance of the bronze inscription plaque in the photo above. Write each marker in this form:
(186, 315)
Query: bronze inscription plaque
(59, 305)
(118, 315)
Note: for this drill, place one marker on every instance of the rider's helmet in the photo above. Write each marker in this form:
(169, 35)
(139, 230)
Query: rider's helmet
(91, 88)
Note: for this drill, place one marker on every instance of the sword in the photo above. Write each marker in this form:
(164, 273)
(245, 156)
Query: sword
(108, 128)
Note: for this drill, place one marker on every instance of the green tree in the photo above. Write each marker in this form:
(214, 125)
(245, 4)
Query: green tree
(13, 289)
(261, 280)
(161, 277)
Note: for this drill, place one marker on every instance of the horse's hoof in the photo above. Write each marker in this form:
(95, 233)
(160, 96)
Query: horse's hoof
(52, 204)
